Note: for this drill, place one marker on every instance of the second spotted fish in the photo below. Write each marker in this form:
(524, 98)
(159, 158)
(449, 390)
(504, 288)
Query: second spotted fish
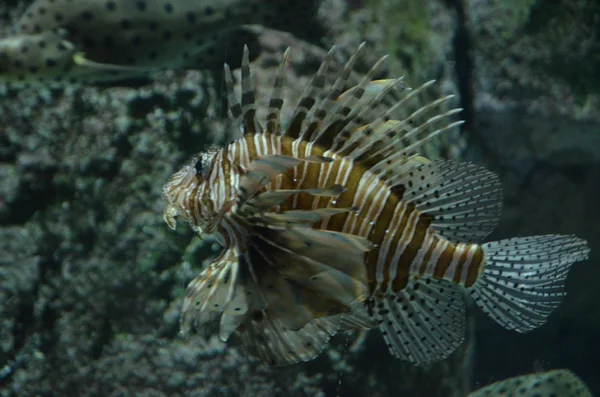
(332, 221)
(67, 42)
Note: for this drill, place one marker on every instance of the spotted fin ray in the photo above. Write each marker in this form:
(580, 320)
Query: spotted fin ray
(211, 291)
(463, 199)
(424, 322)
(524, 278)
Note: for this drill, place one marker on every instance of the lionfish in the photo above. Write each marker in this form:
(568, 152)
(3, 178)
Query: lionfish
(335, 222)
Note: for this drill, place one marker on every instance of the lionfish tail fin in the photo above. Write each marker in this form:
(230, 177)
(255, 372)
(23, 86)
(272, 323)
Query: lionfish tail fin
(523, 278)
(277, 345)
(424, 322)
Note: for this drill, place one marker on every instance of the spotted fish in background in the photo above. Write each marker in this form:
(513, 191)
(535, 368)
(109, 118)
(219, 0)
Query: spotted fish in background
(556, 383)
(333, 221)
(58, 42)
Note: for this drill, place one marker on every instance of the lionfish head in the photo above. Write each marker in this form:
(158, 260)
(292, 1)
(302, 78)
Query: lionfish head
(188, 195)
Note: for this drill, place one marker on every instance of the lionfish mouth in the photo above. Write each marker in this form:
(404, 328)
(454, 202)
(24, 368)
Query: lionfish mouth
(177, 193)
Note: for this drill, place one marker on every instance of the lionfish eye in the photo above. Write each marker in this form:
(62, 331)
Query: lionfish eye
(198, 166)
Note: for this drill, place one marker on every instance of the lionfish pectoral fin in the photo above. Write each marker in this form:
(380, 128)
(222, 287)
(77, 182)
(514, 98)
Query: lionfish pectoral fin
(331, 191)
(275, 345)
(423, 322)
(329, 263)
(234, 312)
(263, 170)
(296, 218)
(523, 278)
(290, 304)
(465, 200)
(211, 292)
(271, 198)
(358, 318)
(293, 324)
(229, 324)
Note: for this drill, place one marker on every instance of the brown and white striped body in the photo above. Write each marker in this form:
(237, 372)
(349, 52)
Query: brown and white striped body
(407, 246)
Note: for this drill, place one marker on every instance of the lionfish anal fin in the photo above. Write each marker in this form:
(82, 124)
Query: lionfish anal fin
(424, 322)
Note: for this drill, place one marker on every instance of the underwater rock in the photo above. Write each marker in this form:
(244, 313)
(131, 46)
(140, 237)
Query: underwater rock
(533, 81)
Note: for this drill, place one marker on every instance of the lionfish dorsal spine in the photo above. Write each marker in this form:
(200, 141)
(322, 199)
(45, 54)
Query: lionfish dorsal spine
(348, 103)
(276, 101)
(234, 104)
(380, 88)
(309, 98)
(251, 125)
(349, 100)
(325, 108)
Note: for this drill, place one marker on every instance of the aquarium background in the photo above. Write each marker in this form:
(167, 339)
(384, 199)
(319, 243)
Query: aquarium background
(92, 280)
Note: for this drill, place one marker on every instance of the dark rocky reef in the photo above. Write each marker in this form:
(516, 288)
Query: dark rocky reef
(536, 121)
(91, 279)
